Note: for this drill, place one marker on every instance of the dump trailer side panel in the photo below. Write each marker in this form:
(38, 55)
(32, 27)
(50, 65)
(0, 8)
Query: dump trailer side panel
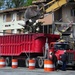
(14, 45)
(21, 43)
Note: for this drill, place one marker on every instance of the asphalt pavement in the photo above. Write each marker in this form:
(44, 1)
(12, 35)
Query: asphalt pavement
(26, 71)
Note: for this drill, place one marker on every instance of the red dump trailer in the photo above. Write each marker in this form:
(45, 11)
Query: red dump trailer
(24, 46)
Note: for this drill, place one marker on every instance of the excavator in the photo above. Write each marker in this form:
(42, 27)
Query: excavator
(50, 6)
(37, 11)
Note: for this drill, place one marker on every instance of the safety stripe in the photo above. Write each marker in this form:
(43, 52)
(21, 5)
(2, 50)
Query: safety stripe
(2, 63)
(14, 63)
(31, 64)
(48, 66)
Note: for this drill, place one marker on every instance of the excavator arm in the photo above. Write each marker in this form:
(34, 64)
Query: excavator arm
(51, 5)
(55, 4)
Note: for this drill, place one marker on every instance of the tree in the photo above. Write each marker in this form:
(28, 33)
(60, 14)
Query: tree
(1, 3)
(7, 4)
(29, 2)
(18, 3)
(13, 3)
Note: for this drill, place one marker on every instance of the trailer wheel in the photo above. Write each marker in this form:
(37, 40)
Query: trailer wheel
(8, 61)
(73, 67)
(27, 62)
(40, 62)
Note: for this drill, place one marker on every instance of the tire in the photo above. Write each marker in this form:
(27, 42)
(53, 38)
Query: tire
(27, 62)
(73, 67)
(40, 62)
(8, 61)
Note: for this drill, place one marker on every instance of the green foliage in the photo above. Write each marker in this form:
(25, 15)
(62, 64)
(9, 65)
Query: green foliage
(1, 3)
(18, 3)
(29, 2)
(7, 4)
